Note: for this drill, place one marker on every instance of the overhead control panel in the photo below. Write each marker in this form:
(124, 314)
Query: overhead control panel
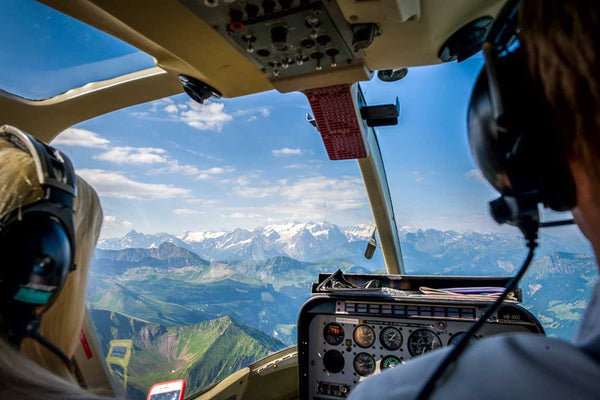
(286, 38)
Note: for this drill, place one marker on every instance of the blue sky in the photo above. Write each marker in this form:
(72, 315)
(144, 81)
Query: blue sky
(173, 165)
(249, 161)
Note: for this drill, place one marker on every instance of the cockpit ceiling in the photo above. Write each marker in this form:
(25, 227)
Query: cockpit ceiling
(183, 40)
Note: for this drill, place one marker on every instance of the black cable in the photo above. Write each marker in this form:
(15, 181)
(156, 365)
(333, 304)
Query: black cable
(429, 387)
(46, 343)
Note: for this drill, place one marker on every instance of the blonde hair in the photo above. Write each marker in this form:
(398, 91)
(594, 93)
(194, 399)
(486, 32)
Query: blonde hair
(61, 324)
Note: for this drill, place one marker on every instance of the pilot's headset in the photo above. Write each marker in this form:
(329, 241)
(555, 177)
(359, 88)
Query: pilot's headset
(37, 241)
(515, 142)
(513, 134)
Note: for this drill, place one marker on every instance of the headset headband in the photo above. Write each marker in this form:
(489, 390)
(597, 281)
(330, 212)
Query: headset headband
(53, 168)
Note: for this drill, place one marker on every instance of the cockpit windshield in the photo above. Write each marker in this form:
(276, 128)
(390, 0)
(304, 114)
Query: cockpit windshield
(217, 219)
(51, 52)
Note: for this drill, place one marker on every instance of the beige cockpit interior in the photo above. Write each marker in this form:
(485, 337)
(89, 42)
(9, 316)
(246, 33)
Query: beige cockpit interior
(241, 47)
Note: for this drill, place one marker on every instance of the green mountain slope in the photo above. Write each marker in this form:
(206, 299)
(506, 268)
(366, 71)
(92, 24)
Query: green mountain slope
(121, 299)
(202, 353)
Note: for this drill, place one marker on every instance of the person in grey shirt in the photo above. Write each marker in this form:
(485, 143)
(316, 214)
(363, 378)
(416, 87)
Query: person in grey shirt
(562, 44)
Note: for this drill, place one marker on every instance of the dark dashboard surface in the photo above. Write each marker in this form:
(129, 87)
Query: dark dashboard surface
(346, 336)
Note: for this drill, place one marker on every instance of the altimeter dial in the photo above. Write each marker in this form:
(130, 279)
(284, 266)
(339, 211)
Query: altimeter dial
(391, 338)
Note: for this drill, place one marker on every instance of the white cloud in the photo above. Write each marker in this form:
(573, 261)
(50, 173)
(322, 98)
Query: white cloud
(207, 117)
(111, 219)
(344, 193)
(211, 172)
(313, 198)
(184, 211)
(114, 184)
(134, 155)
(174, 167)
(253, 113)
(322, 198)
(286, 151)
(80, 138)
(171, 108)
(210, 116)
(155, 155)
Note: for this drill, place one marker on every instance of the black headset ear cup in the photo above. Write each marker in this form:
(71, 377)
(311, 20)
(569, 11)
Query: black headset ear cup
(36, 255)
(518, 151)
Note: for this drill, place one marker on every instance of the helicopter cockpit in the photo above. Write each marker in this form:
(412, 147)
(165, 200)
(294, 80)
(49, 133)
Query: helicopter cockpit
(290, 203)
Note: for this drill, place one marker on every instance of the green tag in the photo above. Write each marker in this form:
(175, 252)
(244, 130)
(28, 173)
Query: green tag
(32, 296)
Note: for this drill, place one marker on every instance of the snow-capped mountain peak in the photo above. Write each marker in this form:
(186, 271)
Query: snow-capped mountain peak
(191, 237)
(358, 232)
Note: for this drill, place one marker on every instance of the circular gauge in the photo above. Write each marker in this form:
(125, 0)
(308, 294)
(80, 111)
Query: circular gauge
(333, 361)
(333, 334)
(364, 336)
(456, 338)
(391, 338)
(390, 362)
(422, 341)
(364, 364)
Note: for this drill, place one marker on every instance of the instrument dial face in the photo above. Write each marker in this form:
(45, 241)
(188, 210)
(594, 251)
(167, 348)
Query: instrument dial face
(364, 336)
(422, 341)
(364, 364)
(333, 334)
(389, 362)
(391, 338)
(333, 361)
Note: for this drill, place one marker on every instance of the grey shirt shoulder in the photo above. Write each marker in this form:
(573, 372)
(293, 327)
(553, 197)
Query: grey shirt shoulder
(512, 366)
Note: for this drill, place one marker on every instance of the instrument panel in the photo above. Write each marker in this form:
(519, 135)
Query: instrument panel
(344, 341)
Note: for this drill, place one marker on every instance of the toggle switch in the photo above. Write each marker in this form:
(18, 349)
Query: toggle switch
(317, 55)
(332, 53)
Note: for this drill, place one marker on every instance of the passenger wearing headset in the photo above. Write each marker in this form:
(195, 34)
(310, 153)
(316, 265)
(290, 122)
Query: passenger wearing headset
(534, 129)
(49, 224)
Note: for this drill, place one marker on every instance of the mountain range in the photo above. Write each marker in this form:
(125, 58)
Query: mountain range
(424, 251)
(259, 278)
(301, 241)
